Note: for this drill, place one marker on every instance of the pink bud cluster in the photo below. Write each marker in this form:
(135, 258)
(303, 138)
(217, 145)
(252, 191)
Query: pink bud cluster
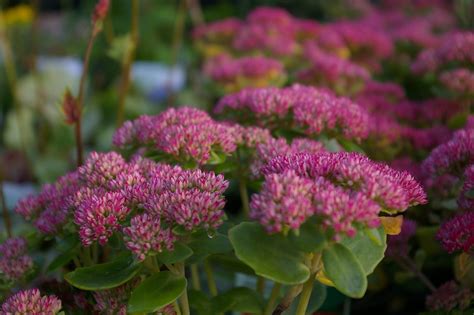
(347, 189)
(457, 234)
(221, 32)
(184, 135)
(31, 302)
(340, 75)
(279, 146)
(455, 49)
(50, 209)
(448, 297)
(114, 301)
(15, 263)
(237, 73)
(466, 197)
(110, 190)
(451, 157)
(459, 81)
(298, 107)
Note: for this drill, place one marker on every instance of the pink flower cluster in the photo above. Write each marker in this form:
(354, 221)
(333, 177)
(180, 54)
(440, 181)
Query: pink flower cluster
(298, 107)
(466, 197)
(366, 45)
(15, 263)
(451, 157)
(327, 70)
(236, 73)
(31, 302)
(114, 301)
(109, 190)
(222, 31)
(448, 297)
(457, 234)
(454, 49)
(184, 135)
(279, 146)
(347, 189)
(459, 81)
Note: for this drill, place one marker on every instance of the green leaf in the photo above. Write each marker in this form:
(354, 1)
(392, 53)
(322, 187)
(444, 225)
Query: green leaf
(120, 48)
(199, 302)
(230, 263)
(68, 248)
(180, 253)
(217, 158)
(310, 238)
(366, 251)
(271, 256)
(344, 270)
(156, 292)
(104, 276)
(203, 245)
(242, 300)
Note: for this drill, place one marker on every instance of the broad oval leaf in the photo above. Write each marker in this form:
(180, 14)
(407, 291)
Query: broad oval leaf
(344, 270)
(271, 256)
(242, 300)
(203, 245)
(156, 292)
(62, 259)
(179, 253)
(104, 276)
(366, 251)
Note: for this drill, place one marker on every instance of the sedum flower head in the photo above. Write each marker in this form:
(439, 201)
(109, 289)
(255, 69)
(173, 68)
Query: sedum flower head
(185, 134)
(114, 301)
(15, 262)
(466, 199)
(457, 234)
(297, 107)
(31, 302)
(449, 296)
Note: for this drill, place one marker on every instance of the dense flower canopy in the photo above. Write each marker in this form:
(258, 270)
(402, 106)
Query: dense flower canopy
(31, 302)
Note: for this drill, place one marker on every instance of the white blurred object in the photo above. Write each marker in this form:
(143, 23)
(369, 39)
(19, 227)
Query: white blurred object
(70, 66)
(157, 80)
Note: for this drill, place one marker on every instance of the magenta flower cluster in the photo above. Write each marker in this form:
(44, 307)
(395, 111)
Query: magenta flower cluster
(307, 109)
(31, 302)
(347, 190)
(109, 190)
(457, 234)
(235, 73)
(448, 297)
(15, 263)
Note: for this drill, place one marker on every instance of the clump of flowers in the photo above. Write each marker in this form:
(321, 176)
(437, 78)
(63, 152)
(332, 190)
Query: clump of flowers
(234, 74)
(347, 189)
(459, 81)
(450, 158)
(186, 135)
(31, 302)
(15, 263)
(297, 108)
(457, 234)
(466, 197)
(110, 190)
(214, 38)
(326, 70)
(114, 301)
(448, 297)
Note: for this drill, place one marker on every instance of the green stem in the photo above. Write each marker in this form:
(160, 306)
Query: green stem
(176, 308)
(244, 196)
(260, 285)
(210, 278)
(150, 264)
(125, 81)
(6, 215)
(305, 295)
(273, 298)
(290, 295)
(195, 277)
(315, 265)
(86, 256)
(183, 299)
(80, 95)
